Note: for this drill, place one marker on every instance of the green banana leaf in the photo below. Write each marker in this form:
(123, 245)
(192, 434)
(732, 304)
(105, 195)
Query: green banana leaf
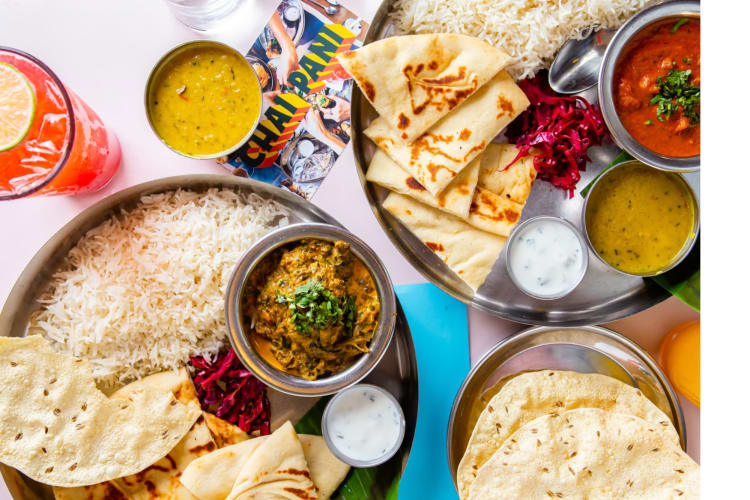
(684, 281)
(360, 484)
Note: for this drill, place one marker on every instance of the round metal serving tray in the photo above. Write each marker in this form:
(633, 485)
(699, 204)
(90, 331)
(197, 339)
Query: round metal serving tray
(604, 295)
(589, 349)
(396, 372)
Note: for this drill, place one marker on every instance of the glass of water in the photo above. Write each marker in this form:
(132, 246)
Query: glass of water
(202, 15)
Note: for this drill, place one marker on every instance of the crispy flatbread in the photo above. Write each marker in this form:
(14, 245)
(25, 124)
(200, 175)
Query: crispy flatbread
(531, 395)
(415, 80)
(469, 252)
(588, 453)
(479, 207)
(160, 480)
(59, 429)
(513, 183)
(212, 476)
(455, 199)
(276, 469)
(437, 156)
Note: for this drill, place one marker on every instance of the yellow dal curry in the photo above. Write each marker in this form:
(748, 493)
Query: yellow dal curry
(315, 305)
(204, 101)
(639, 218)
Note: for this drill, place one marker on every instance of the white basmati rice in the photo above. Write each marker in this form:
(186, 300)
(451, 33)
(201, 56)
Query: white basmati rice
(531, 31)
(144, 290)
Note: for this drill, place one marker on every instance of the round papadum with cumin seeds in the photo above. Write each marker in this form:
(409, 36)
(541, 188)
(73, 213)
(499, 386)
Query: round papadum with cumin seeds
(58, 428)
(588, 453)
(534, 394)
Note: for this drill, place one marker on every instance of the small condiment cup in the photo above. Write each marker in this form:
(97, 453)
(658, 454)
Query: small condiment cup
(513, 238)
(325, 427)
(156, 72)
(686, 248)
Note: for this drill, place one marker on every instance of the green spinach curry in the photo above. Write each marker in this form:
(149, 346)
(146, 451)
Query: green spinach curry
(313, 306)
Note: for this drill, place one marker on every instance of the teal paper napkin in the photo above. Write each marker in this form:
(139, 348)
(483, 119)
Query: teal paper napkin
(440, 330)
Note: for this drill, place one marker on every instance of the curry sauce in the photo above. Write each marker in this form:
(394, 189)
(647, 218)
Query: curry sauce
(657, 88)
(314, 305)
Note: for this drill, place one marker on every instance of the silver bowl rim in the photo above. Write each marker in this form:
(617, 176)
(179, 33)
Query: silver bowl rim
(685, 249)
(643, 19)
(648, 360)
(363, 463)
(514, 236)
(284, 382)
(165, 59)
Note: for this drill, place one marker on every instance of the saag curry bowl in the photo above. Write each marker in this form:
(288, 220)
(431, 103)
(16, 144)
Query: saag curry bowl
(203, 99)
(649, 86)
(639, 220)
(310, 309)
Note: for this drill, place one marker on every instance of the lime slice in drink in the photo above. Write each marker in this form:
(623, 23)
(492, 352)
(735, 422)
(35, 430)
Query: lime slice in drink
(17, 106)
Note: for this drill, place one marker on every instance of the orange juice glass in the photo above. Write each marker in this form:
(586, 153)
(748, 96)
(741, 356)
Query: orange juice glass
(67, 149)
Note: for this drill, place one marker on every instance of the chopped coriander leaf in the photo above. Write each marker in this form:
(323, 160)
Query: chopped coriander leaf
(676, 92)
(678, 24)
(648, 122)
(314, 307)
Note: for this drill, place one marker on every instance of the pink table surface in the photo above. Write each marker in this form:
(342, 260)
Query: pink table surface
(105, 50)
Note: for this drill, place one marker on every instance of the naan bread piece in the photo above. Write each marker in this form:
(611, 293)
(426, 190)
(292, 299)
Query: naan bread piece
(178, 382)
(98, 491)
(513, 183)
(212, 476)
(493, 213)
(531, 395)
(161, 479)
(588, 453)
(479, 207)
(277, 469)
(223, 432)
(415, 80)
(455, 199)
(437, 156)
(468, 251)
(58, 428)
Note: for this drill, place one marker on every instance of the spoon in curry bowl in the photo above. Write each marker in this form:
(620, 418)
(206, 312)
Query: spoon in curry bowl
(576, 66)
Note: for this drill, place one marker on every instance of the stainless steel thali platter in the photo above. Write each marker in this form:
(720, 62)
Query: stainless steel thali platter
(396, 372)
(604, 295)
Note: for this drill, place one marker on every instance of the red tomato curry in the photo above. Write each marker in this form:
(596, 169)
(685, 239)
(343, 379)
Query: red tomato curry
(657, 88)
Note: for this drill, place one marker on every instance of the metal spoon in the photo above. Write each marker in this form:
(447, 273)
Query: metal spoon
(330, 10)
(576, 66)
(333, 2)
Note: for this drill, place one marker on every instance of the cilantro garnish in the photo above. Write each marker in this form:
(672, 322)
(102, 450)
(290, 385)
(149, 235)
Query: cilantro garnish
(675, 92)
(678, 24)
(314, 307)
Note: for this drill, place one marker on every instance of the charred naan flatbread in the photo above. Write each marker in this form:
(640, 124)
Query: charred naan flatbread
(512, 183)
(212, 476)
(276, 469)
(436, 157)
(469, 252)
(415, 80)
(479, 207)
(456, 199)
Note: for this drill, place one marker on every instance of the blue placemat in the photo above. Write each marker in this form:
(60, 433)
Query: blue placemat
(440, 329)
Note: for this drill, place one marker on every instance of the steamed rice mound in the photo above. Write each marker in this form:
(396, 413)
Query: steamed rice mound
(144, 290)
(531, 31)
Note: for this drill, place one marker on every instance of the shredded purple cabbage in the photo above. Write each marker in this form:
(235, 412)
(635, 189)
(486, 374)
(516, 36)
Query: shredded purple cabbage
(230, 391)
(560, 129)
